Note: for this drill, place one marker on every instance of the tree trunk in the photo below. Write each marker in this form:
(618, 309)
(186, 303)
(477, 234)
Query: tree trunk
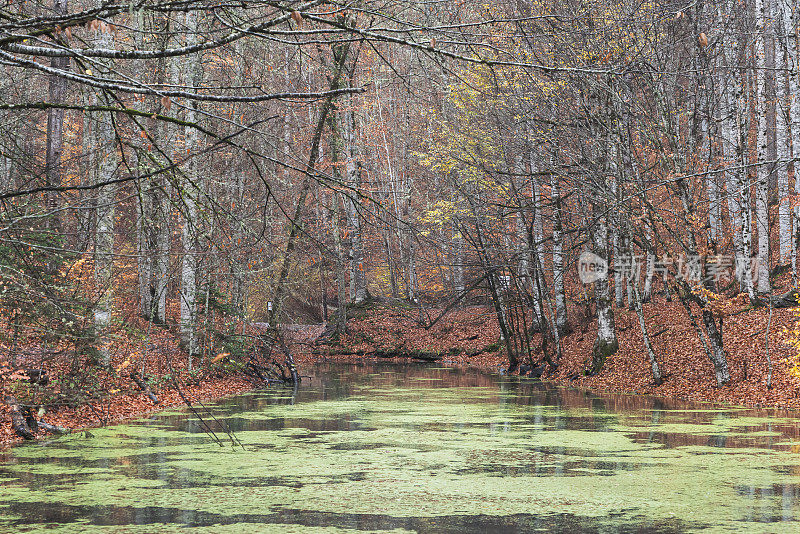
(637, 304)
(783, 135)
(106, 161)
(562, 323)
(764, 20)
(457, 260)
(793, 47)
(535, 246)
(413, 290)
(717, 354)
(55, 129)
(647, 291)
(190, 194)
(341, 272)
(606, 343)
(358, 280)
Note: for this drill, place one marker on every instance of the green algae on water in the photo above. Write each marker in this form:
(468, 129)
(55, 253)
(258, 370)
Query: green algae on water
(425, 455)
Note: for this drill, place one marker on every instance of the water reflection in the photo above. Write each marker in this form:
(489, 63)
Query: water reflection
(382, 447)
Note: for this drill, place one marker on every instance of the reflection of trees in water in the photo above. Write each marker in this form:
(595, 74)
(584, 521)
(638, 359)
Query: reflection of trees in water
(582, 409)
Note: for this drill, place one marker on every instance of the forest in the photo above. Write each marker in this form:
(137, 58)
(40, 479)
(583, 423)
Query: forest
(399, 265)
(199, 195)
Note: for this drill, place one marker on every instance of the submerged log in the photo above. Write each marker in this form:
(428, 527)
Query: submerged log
(18, 419)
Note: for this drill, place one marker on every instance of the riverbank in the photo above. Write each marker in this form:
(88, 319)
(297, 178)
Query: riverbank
(121, 407)
(466, 337)
(79, 395)
(470, 337)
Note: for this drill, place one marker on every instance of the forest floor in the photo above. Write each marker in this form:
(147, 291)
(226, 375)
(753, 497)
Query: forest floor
(80, 399)
(466, 337)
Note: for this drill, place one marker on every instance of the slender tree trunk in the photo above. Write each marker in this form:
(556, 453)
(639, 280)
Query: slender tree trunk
(535, 241)
(358, 284)
(617, 239)
(106, 160)
(413, 289)
(457, 247)
(144, 214)
(161, 226)
(606, 343)
(647, 291)
(190, 194)
(562, 323)
(391, 263)
(55, 128)
(764, 20)
(637, 305)
(742, 187)
(783, 137)
(793, 47)
(341, 269)
(87, 168)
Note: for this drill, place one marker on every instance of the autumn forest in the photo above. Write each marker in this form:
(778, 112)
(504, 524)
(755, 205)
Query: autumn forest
(199, 198)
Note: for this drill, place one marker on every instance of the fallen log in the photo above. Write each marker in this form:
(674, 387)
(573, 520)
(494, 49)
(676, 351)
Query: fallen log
(413, 354)
(144, 387)
(18, 419)
(786, 300)
(53, 429)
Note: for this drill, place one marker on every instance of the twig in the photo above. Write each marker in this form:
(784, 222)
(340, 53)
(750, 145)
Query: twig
(766, 346)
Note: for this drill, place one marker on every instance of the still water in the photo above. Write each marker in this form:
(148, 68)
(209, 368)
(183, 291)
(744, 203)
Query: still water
(417, 449)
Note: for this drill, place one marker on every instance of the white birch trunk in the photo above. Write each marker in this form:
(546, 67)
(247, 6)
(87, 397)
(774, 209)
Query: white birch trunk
(458, 261)
(536, 249)
(731, 91)
(562, 324)
(106, 160)
(793, 47)
(783, 130)
(763, 17)
(647, 290)
(788, 11)
(190, 194)
(606, 343)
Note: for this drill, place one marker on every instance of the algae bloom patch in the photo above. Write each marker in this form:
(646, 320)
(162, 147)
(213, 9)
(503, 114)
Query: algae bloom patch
(428, 450)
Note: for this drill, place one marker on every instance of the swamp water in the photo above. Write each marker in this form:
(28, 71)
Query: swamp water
(417, 449)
